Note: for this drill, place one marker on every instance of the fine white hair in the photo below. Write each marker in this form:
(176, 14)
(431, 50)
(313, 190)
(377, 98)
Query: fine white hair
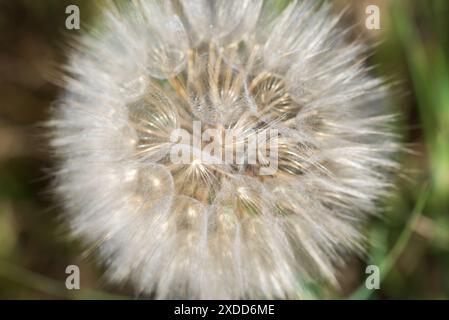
(208, 231)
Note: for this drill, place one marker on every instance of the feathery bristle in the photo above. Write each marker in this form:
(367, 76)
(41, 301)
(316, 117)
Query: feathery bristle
(209, 228)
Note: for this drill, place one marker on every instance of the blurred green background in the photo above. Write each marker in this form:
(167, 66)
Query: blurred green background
(411, 239)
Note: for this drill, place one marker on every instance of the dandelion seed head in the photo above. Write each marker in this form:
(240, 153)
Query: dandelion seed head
(215, 230)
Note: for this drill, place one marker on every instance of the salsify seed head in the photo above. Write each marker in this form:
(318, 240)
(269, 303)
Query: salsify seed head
(206, 229)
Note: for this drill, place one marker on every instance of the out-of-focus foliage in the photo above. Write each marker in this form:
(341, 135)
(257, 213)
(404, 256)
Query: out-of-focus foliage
(414, 237)
(411, 239)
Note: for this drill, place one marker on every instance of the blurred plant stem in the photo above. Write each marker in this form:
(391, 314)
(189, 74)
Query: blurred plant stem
(49, 286)
(427, 62)
(390, 260)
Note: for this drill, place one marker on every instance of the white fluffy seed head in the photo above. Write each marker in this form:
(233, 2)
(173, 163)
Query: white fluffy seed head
(200, 230)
